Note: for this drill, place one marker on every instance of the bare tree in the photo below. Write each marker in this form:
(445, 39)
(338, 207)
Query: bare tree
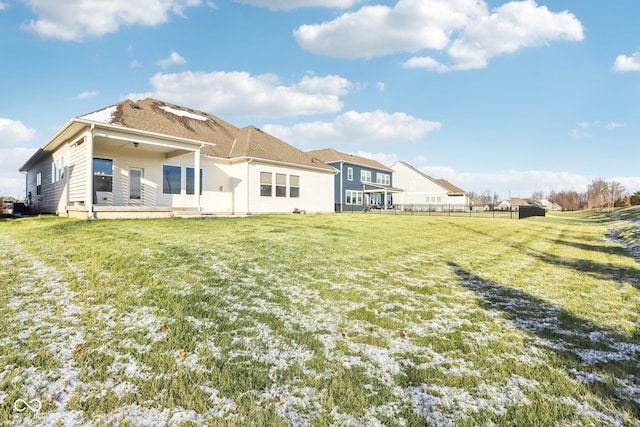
(598, 193)
(615, 192)
(537, 195)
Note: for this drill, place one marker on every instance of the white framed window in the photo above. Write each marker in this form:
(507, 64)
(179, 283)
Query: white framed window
(171, 179)
(191, 183)
(383, 178)
(266, 179)
(349, 174)
(365, 176)
(135, 183)
(281, 185)
(39, 183)
(294, 186)
(353, 197)
(102, 175)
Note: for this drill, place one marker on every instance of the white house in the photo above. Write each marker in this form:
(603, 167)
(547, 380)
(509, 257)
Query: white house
(139, 159)
(422, 192)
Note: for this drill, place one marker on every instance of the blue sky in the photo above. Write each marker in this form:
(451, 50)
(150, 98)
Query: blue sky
(512, 97)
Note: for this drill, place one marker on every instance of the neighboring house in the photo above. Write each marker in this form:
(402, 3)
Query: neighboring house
(360, 183)
(479, 205)
(422, 192)
(139, 159)
(549, 206)
(514, 203)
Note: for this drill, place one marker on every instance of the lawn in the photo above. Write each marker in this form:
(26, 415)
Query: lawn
(320, 320)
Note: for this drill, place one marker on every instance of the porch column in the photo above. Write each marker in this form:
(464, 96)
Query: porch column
(88, 198)
(384, 201)
(196, 178)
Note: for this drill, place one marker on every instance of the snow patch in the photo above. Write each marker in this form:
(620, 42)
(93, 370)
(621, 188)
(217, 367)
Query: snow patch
(182, 113)
(105, 115)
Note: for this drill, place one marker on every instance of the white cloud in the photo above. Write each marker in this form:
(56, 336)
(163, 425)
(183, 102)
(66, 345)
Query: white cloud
(135, 64)
(295, 4)
(88, 94)
(242, 95)
(12, 181)
(464, 29)
(79, 19)
(579, 134)
(357, 128)
(614, 125)
(13, 132)
(174, 59)
(3, 6)
(380, 86)
(627, 63)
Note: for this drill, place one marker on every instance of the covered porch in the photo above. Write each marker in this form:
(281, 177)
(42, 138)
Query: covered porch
(115, 173)
(379, 196)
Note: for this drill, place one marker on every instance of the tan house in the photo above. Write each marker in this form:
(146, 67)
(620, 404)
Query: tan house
(139, 159)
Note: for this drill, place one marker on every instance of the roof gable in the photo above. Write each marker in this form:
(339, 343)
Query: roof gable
(329, 155)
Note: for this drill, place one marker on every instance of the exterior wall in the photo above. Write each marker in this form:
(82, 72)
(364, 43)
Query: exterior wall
(419, 190)
(343, 184)
(77, 170)
(316, 190)
(53, 190)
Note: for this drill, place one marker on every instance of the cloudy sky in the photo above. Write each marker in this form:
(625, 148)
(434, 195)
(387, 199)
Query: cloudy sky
(512, 97)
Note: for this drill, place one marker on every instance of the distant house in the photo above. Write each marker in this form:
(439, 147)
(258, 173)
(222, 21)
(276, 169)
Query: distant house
(360, 183)
(153, 159)
(514, 203)
(422, 192)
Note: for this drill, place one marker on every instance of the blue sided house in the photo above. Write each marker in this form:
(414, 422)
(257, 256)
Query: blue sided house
(360, 183)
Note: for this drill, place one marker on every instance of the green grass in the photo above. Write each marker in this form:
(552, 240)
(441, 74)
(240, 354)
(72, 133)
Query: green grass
(321, 320)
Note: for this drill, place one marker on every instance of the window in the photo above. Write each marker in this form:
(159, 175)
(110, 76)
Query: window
(265, 184)
(191, 181)
(353, 197)
(61, 168)
(39, 183)
(102, 175)
(365, 176)
(135, 184)
(281, 185)
(349, 174)
(383, 178)
(171, 179)
(294, 186)
(57, 170)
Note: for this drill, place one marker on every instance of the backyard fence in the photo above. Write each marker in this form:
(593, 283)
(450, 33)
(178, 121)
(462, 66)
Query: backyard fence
(486, 211)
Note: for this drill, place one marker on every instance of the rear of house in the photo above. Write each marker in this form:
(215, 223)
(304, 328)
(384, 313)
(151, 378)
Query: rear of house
(360, 183)
(153, 159)
(424, 193)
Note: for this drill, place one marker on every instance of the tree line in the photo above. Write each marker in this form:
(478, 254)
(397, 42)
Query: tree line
(600, 194)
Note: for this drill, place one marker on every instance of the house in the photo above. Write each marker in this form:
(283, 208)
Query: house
(139, 159)
(360, 183)
(514, 203)
(422, 192)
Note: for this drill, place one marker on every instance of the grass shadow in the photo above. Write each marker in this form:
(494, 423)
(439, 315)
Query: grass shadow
(606, 362)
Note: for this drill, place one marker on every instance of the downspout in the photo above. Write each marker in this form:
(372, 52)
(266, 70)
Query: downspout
(341, 178)
(248, 185)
